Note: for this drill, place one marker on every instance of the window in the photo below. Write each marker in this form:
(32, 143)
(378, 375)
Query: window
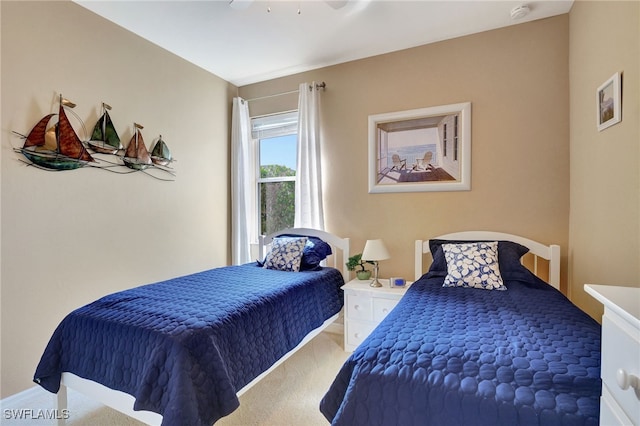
(277, 143)
(444, 145)
(455, 138)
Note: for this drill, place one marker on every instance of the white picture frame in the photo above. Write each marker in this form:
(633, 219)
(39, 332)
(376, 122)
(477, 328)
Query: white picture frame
(421, 150)
(608, 102)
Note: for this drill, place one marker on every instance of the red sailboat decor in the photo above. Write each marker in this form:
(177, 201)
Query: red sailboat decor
(56, 147)
(136, 156)
(104, 138)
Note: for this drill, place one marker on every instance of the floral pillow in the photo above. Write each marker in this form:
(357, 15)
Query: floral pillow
(509, 255)
(315, 252)
(473, 265)
(285, 254)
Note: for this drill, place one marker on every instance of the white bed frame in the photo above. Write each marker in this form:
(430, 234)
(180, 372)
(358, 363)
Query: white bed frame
(341, 244)
(550, 253)
(123, 402)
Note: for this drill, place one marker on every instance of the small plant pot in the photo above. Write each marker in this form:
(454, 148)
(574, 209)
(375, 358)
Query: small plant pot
(363, 275)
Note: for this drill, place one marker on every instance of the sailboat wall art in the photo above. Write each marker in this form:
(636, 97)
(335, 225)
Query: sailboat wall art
(104, 138)
(160, 154)
(136, 156)
(54, 145)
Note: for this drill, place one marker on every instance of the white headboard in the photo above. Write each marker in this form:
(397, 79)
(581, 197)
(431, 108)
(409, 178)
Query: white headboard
(338, 246)
(538, 250)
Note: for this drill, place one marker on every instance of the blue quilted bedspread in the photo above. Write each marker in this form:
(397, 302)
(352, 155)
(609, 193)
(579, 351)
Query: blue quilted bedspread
(185, 346)
(460, 356)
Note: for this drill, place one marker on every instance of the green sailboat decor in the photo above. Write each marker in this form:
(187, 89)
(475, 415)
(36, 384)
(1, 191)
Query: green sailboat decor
(160, 154)
(136, 156)
(57, 147)
(104, 138)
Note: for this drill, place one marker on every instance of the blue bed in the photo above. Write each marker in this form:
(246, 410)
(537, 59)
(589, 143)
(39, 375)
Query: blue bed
(522, 355)
(184, 348)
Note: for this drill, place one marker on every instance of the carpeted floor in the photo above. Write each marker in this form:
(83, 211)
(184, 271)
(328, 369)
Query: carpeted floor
(289, 395)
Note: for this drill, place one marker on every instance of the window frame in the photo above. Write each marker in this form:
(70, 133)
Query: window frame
(260, 180)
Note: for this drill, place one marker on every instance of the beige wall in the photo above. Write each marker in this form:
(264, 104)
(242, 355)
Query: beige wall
(605, 179)
(517, 81)
(70, 237)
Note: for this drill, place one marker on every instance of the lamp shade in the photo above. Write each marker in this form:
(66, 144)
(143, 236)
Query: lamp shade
(375, 250)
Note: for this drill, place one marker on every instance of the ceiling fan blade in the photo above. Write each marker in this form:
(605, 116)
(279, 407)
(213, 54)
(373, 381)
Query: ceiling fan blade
(337, 4)
(244, 4)
(240, 4)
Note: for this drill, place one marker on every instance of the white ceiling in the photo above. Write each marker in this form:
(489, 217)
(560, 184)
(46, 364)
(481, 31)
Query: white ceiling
(246, 43)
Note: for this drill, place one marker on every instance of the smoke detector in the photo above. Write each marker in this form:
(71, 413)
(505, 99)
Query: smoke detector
(520, 12)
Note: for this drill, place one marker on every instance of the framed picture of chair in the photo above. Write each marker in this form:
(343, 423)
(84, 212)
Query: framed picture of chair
(425, 149)
(608, 102)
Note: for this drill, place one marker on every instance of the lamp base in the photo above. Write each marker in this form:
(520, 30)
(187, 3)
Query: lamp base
(375, 283)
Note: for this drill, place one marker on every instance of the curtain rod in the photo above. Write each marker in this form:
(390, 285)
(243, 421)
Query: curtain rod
(319, 86)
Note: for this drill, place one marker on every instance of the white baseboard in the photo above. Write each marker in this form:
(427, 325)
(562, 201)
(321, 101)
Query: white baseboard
(22, 399)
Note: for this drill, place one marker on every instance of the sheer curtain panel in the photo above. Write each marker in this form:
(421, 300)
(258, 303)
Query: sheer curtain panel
(308, 210)
(242, 181)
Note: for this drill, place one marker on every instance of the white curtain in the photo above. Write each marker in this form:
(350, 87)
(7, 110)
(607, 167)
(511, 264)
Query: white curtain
(242, 181)
(308, 210)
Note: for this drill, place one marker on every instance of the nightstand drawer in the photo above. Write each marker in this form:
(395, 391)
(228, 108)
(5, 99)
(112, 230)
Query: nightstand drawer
(621, 351)
(382, 307)
(365, 307)
(356, 332)
(359, 307)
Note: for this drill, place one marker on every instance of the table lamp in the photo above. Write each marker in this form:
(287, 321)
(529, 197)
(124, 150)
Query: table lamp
(375, 250)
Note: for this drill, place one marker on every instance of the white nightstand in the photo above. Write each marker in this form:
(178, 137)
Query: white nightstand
(620, 357)
(365, 307)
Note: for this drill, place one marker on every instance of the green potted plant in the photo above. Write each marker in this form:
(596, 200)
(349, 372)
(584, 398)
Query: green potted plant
(356, 261)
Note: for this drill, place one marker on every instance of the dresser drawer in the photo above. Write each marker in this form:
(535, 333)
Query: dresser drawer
(621, 350)
(382, 307)
(359, 306)
(610, 412)
(356, 332)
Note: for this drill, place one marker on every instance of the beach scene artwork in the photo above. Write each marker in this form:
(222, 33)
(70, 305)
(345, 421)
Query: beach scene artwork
(413, 155)
(420, 150)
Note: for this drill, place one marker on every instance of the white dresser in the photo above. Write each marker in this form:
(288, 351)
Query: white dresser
(620, 364)
(365, 307)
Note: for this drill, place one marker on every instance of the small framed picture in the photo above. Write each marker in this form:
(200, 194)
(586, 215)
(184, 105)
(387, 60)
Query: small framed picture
(608, 102)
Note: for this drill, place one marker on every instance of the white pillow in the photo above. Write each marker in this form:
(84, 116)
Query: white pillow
(285, 253)
(473, 265)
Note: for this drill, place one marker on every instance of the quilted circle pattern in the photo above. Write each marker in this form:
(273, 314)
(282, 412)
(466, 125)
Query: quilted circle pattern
(473, 265)
(184, 347)
(285, 254)
(452, 356)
